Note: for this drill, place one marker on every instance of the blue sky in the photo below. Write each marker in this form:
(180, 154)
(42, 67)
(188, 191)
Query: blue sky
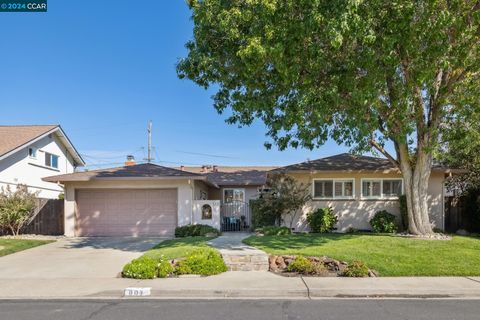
(103, 69)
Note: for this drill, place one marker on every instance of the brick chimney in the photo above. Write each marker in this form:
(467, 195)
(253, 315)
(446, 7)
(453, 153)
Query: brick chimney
(182, 168)
(130, 161)
(215, 168)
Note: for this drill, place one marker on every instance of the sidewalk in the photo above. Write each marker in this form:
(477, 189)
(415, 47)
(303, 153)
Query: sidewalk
(245, 285)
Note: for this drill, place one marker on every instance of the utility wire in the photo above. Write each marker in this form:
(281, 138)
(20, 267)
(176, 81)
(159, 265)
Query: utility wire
(206, 154)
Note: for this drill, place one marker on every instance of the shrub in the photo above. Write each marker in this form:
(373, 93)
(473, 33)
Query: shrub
(195, 230)
(164, 269)
(16, 208)
(262, 215)
(205, 261)
(275, 231)
(404, 211)
(282, 199)
(141, 268)
(356, 269)
(351, 230)
(322, 220)
(383, 222)
(301, 265)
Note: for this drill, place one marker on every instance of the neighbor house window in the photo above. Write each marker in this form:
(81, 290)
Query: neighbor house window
(333, 188)
(32, 152)
(51, 160)
(382, 188)
(233, 195)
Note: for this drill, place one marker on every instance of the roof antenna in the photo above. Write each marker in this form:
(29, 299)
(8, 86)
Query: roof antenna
(149, 130)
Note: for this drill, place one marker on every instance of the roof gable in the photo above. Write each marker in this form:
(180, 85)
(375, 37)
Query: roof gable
(14, 138)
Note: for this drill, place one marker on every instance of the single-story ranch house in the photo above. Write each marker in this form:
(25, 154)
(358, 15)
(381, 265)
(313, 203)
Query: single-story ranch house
(151, 200)
(356, 187)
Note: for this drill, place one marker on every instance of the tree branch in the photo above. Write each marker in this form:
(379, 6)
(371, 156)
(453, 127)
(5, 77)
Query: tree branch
(382, 150)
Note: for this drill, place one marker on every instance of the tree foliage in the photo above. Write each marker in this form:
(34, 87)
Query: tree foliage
(16, 208)
(362, 73)
(461, 149)
(284, 198)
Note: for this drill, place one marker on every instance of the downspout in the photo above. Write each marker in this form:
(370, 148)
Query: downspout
(191, 182)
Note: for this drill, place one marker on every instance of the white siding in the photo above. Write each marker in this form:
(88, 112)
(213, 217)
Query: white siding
(19, 168)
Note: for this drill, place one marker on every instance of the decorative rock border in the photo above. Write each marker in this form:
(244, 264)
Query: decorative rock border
(333, 268)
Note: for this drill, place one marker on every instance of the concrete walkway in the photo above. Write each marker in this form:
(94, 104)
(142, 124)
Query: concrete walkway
(239, 256)
(75, 258)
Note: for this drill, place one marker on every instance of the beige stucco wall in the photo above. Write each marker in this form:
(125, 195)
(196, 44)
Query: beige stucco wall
(198, 187)
(357, 212)
(251, 192)
(184, 187)
(197, 213)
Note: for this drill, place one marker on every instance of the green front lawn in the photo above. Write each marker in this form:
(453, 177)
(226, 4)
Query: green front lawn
(176, 248)
(389, 255)
(8, 246)
(196, 258)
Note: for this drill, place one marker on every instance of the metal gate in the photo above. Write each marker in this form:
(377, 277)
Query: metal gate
(235, 216)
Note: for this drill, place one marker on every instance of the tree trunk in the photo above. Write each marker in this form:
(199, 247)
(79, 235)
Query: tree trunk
(416, 180)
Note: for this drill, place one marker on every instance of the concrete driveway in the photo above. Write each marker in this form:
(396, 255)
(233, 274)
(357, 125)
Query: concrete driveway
(75, 258)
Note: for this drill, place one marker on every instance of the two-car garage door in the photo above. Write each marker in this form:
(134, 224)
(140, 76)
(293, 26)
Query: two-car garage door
(126, 212)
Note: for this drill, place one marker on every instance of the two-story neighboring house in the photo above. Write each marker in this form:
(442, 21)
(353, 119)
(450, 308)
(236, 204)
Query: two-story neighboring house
(30, 153)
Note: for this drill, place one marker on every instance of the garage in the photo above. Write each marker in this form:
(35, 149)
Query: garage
(135, 200)
(126, 212)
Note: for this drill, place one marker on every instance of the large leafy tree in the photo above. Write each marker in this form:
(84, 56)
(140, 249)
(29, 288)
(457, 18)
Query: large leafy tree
(460, 137)
(363, 73)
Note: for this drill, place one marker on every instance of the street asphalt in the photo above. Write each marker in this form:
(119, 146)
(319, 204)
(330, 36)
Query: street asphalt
(329, 309)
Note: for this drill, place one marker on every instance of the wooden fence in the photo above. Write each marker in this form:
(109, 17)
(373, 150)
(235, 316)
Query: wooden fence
(48, 218)
(455, 214)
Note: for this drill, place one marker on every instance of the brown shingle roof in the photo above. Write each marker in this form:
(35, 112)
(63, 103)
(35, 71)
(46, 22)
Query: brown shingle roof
(239, 178)
(13, 137)
(349, 162)
(234, 176)
(343, 162)
(199, 169)
(139, 171)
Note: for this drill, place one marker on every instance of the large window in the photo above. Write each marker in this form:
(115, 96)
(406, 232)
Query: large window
(51, 160)
(382, 188)
(333, 188)
(233, 195)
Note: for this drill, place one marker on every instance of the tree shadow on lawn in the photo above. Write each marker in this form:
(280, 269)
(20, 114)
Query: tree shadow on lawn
(183, 242)
(297, 241)
(301, 241)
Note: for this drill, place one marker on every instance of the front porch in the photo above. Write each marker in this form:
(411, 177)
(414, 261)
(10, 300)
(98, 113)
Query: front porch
(234, 216)
(225, 208)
